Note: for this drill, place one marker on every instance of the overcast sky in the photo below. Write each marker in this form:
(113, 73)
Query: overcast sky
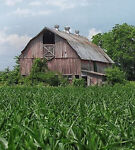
(20, 20)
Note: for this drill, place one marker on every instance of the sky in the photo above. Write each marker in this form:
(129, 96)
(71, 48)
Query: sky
(20, 20)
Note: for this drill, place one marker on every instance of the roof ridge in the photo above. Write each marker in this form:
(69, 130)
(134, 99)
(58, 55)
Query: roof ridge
(81, 36)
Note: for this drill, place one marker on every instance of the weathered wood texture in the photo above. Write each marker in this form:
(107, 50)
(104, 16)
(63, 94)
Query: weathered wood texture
(101, 67)
(89, 65)
(33, 50)
(66, 60)
(25, 66)
(93, 78)
(86, 65)
(65, 66)
(63, 49)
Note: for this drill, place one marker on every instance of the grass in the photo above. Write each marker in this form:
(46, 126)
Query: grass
(49, 118)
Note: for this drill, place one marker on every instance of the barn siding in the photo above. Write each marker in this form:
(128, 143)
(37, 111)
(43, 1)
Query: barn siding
(102, 66)
(25, 66)
(35, 48)
(94, 79)
(63, 49)
(89, 65)
(65, 66)
(66, 60)
(86, 65)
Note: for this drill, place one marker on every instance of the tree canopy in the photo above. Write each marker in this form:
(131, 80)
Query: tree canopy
(119, 44)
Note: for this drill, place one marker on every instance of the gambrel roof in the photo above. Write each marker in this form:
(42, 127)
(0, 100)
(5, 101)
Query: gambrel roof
(83, 47)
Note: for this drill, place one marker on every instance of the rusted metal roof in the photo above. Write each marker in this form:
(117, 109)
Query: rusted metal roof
(83, 47)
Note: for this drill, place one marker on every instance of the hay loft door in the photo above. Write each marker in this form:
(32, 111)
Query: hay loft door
(48, 51)
(48, 45)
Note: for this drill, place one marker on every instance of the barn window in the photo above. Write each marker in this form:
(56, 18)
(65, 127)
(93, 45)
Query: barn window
(48, 45)
(48, 38)
(95, 66)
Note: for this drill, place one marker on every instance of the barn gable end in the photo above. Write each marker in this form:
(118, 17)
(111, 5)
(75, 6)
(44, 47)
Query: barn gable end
(65, 60)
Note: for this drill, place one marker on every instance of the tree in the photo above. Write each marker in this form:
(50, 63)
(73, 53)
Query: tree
(115, 75)
(11, 77)
(120, 46)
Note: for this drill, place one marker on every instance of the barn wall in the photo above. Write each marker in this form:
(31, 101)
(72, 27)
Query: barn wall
(66, 60)
(65, 66)
(102, 66)
(89, 65)
(86, 65)
(63, 49)
(35, 48)
(25, 66)
(93, 79)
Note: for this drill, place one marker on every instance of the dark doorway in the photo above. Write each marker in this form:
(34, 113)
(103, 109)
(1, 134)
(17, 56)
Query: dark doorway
(77, 76)
(95, 66)
(85, 79)
(48, 37)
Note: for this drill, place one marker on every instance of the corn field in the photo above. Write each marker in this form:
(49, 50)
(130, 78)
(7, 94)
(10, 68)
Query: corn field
(58, 118)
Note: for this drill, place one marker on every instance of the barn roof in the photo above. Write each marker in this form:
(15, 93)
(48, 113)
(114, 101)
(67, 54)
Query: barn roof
(83, 47)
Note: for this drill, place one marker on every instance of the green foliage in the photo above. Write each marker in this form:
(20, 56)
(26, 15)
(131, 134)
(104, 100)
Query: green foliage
(63, 80)
(115, 75)
(4, 75)
(78, 82)
(120, 46)
(49, 78)
(39, 66)
(25, 81)
(57, 118)
(8, 77)
(41, 74)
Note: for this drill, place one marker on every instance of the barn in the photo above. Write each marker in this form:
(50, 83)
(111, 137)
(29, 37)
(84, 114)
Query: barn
(71, 54)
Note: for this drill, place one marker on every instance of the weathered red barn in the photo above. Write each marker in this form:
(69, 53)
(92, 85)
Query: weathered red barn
(70, 54)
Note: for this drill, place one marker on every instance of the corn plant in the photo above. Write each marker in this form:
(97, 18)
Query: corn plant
(70, 118)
